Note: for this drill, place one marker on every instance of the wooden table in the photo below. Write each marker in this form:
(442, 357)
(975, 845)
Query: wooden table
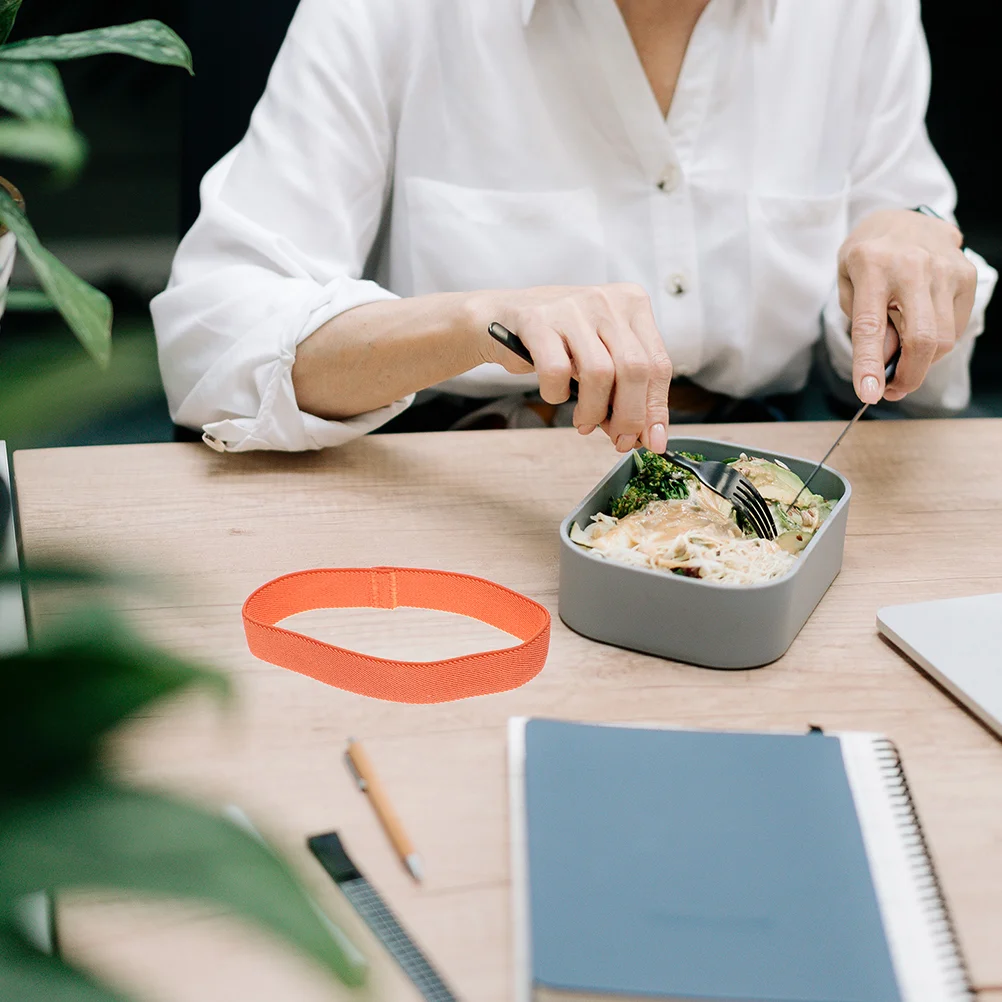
(214, 527)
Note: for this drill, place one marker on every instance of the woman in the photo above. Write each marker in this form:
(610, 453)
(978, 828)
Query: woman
(638, 188)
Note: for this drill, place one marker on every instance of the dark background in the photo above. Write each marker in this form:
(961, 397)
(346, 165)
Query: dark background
(154, 131)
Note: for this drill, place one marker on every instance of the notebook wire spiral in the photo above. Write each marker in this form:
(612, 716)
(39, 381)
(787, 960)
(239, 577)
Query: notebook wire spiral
(923, 870)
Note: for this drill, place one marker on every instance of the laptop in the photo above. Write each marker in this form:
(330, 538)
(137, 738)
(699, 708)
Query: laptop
(958, 643)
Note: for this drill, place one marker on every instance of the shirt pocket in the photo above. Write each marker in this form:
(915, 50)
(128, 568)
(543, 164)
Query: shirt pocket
(795, 242)
(476, 238)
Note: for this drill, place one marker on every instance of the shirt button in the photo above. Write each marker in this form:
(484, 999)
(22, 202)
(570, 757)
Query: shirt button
(670, 177)
(213, 443)
(676, 284)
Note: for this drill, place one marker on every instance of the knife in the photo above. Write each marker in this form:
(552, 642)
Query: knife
(892, 366)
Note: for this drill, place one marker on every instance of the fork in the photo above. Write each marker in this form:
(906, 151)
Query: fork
(720, 478)
(732, 486)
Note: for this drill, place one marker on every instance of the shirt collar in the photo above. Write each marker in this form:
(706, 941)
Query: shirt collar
(769, 6)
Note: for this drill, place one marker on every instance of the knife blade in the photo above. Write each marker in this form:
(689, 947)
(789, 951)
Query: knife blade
(889, 371)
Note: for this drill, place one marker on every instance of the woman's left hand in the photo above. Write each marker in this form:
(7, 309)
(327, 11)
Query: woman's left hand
(910, 265)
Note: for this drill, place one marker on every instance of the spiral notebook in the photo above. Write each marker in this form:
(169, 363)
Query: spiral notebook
(652, 863)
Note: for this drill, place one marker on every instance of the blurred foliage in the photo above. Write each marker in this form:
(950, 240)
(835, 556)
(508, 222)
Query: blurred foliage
(66, 820)
(49, 388)
(40, 131)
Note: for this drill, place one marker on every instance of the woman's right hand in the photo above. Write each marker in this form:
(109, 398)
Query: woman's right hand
(603, 336)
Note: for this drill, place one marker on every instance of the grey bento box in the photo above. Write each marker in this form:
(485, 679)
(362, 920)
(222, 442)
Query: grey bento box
(703, 623)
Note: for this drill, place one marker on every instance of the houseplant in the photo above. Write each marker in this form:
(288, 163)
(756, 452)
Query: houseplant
(66, 819)
(38, 130)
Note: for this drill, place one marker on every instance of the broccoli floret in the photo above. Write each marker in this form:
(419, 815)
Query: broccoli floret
(655, 480)
(658, 475)
(664, 478)
(635, 497)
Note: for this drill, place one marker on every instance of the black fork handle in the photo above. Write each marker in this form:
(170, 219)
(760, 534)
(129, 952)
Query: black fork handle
(511, 341)
(674, 457)
(514, 343)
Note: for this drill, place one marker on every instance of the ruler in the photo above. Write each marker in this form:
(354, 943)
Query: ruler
(365, 899)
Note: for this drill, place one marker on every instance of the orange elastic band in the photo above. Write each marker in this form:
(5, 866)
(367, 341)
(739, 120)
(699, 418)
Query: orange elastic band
(387, 588)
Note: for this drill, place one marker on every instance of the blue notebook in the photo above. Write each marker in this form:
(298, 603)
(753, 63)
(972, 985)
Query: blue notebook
(651, 863)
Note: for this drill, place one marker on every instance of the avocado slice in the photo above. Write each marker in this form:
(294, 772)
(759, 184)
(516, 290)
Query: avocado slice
(774, 482)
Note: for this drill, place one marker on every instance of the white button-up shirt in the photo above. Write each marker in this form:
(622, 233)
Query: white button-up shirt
(406, 147)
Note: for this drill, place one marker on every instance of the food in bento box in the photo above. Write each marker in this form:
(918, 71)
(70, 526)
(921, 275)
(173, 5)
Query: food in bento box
(666, 520)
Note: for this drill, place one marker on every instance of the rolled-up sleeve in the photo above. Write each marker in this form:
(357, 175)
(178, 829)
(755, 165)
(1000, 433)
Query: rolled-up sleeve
(287, 221)
(896, 167)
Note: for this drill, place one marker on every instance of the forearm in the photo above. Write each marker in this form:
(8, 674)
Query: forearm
(375, 354)
(603, 336)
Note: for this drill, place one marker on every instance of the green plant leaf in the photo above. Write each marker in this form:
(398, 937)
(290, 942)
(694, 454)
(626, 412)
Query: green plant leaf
(149, 40)
(87, 311)
(50, 388)
(59, 699)
(60, 147)
(34, 91)
(96, 834)
(30, 976)
(8, 14)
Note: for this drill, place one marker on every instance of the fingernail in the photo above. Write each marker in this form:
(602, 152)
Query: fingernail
(658, 438)
(869, 390)
(625, 442)
(586, 429)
